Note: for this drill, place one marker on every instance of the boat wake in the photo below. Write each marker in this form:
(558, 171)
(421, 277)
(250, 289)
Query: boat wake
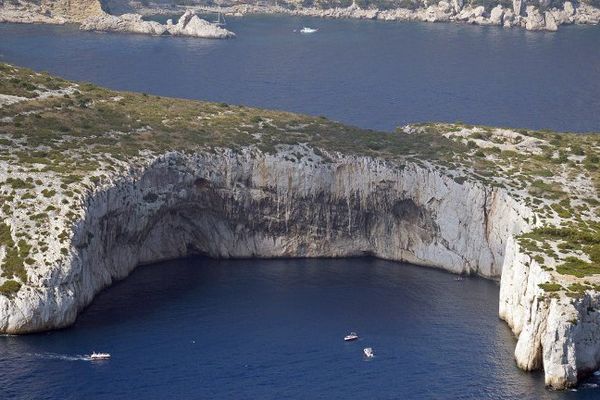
(63, 357)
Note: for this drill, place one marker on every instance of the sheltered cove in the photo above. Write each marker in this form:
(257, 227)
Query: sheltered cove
(96, 182)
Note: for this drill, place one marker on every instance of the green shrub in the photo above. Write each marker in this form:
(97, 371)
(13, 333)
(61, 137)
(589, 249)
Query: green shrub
(550, 287)
(17, 183)
(577, 267)
(10, 288)
(579, 288)
(48, 192)
(593, 252)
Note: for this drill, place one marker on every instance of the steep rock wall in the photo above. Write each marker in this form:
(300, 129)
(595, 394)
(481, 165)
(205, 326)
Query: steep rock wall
(247, 204)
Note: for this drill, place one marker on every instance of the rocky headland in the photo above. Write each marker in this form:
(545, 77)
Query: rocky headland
(189, 24)
(91, 16)
(95, 182)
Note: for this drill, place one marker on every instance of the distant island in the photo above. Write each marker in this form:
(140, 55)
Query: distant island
(127, 15)
(94, 182)
(531, 15)
(534, 15)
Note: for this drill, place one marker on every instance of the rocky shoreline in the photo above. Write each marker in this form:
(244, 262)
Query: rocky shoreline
(96, 19)
(92, 17)
(520, 14)
(189, 24)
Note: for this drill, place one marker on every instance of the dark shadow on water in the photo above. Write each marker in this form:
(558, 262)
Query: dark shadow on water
(199, 327)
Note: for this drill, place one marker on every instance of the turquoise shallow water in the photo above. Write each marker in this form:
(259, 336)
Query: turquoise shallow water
(373, 74)
(272, 329)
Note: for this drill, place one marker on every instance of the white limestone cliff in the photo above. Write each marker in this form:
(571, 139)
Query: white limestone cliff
(95, 182)
(249, 204)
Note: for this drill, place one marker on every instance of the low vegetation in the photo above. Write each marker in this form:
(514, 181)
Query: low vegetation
(550, 287)
(10, 288)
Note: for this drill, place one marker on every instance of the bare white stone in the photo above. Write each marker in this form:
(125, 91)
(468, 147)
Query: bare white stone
(496, 15)
(188, 25)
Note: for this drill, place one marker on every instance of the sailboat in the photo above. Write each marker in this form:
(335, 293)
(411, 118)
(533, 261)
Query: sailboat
(220, 21)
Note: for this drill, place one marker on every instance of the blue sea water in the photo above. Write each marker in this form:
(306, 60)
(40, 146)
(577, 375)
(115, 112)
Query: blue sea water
(273, 329)
(372, 74)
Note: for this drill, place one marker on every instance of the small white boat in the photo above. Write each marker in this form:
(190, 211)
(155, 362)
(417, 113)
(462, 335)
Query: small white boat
(368, 352)
(308, 30)
(352, 336)
(99, 356)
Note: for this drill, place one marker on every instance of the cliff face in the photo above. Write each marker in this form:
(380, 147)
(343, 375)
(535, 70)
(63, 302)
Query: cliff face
(255, 205)
(94, 183)
(561, 337)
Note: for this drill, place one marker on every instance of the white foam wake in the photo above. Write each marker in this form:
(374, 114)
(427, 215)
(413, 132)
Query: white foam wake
(64, 357)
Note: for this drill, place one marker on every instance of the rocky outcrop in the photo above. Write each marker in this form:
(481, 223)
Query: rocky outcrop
(189, 24)
(123, 23)
(535, 20)
(556, 334)
(91, 17)
(496, 15)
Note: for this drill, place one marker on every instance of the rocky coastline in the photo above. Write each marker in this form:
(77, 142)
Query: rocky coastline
(92, 17)
(189, 24)
(123, 179)
(520, 14)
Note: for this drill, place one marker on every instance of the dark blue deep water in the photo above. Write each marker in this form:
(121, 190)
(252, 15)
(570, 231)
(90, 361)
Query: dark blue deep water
(273, 329)
(373, 74)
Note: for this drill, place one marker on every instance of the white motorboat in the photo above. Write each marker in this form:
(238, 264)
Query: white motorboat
(99, 356)
(308, 30)
(352, 336)
(368, 352)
